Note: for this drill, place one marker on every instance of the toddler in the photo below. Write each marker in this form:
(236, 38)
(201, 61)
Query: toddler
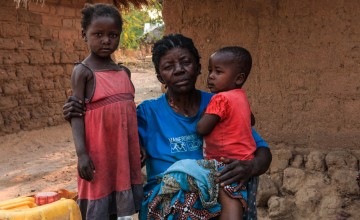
(226, 123)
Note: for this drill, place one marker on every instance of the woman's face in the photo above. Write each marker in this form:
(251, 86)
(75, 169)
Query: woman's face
(178, 70)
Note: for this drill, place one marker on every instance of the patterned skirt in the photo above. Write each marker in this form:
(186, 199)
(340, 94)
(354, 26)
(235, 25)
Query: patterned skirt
(187, 191)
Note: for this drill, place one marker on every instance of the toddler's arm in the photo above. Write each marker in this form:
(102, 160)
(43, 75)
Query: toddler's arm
(216, 110)
(207, 123)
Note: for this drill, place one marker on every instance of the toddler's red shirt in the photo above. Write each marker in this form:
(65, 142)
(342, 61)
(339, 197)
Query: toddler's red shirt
(232, 136)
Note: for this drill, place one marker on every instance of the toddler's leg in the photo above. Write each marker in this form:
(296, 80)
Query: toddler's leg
(231, 208)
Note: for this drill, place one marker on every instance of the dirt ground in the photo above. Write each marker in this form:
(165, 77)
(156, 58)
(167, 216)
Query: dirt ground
(45, 160)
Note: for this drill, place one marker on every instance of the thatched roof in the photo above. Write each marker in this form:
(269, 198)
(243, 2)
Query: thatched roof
(117, 3)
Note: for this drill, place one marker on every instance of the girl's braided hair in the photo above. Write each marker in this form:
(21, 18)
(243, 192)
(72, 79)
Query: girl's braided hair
(169, 42)
(91, 11)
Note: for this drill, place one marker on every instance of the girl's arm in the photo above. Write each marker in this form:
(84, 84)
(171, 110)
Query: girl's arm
(86, 167)
(207, 123)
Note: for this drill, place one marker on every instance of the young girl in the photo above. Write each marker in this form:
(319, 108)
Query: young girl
(226, 124)
(106, 138)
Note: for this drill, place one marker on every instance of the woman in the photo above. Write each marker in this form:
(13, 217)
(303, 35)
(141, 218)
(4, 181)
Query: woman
(167, 125)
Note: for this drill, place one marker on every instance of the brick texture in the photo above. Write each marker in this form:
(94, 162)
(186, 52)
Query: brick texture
(36, 56)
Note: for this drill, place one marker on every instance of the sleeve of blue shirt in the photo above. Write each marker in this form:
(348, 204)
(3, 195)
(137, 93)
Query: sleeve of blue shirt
(258, 139)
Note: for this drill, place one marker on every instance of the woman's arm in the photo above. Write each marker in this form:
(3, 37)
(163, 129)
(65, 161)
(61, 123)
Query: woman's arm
(142, 156)
(142, 131)
(86, 167)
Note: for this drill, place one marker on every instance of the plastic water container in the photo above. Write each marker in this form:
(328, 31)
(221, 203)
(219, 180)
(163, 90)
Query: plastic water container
(25, 208)
(18, 203)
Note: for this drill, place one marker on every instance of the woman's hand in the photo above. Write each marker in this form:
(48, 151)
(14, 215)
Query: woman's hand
(73, 107)
(235, 171)
(86, 168)
(142, 156)
(239, 171)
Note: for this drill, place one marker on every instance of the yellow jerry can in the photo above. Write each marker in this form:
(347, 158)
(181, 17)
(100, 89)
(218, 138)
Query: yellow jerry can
(25, 208)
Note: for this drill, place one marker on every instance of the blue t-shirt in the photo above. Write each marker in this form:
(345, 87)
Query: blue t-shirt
(168, 137)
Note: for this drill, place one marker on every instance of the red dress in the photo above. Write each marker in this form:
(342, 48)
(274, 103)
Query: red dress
(113, 145)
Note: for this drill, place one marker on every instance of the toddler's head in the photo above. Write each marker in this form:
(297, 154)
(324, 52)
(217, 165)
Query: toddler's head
(101, 28)
(229, 68)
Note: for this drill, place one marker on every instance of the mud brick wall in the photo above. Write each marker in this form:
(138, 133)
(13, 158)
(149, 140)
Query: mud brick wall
(304, 90)
(304, 87)
(38, 47)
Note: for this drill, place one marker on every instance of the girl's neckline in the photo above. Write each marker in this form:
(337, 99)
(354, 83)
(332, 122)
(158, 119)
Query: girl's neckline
(114, 67)
(103, 70)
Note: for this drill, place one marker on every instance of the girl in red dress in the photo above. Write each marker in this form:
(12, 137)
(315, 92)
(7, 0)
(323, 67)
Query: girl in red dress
(106, 137)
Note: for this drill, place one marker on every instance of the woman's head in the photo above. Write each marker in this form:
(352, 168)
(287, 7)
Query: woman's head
(101, 28)
(177, 63)
(168, 42)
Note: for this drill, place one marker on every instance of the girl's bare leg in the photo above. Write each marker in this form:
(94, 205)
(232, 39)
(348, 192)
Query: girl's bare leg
(231, 208)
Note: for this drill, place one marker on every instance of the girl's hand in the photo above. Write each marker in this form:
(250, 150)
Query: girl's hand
(86, 168)
(73, 107)
(235, 171)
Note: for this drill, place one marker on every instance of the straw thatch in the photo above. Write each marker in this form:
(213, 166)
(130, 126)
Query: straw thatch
(117, 3)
